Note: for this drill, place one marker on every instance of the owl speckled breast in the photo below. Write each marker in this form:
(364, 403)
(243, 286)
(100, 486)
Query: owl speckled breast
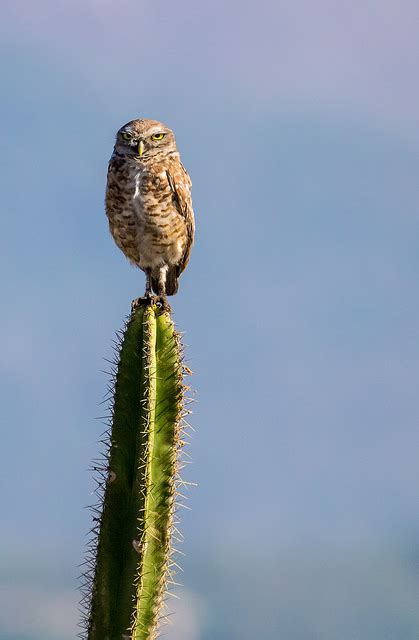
(119, 207)
(160, 227)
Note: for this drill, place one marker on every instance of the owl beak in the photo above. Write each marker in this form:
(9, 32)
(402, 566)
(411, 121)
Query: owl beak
(141, 148)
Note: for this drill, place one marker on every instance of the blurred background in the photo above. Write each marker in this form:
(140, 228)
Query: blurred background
(298, 122)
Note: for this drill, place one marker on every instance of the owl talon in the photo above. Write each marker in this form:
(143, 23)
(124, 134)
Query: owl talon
(163, 304)
(146, 300)
(135, 304)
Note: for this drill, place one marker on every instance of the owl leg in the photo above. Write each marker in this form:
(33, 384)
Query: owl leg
(148, 297)
(162, 288)
(148, 293)
(162, 281)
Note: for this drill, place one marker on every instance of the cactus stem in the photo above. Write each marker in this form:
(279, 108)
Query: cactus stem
(131, 563)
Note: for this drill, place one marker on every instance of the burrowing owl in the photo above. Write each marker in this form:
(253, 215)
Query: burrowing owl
(148, 203)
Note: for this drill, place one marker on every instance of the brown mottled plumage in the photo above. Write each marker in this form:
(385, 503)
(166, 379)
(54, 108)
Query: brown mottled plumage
(149, 205)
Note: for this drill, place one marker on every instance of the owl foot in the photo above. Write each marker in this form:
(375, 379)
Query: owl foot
(145, 301)
(148, 300)
(163, 304)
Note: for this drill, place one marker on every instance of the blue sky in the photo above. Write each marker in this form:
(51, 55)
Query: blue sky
(299, 127)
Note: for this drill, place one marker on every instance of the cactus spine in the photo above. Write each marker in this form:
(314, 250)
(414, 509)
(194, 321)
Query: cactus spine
(132, 554)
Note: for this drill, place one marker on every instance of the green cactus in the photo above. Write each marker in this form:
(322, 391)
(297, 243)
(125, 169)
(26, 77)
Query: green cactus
(132, 555)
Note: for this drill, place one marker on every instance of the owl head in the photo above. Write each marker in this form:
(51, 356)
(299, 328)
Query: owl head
(145, 140)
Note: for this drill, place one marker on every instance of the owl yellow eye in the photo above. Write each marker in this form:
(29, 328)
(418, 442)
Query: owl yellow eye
(158, 136)
(126, 136)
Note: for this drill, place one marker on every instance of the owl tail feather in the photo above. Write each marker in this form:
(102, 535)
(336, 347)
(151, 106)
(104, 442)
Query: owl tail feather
(172, 283)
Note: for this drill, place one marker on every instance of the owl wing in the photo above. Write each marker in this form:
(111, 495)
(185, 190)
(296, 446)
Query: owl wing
(180, 184)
